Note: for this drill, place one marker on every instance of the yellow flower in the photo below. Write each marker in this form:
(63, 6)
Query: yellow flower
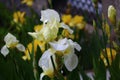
(18, 17)
(75, 20)
(108, 56)
(78, 19)
(28, 2)
(81, 25)
(30, 47)
(66, 18)
(38, 28)
(112, 14)
(29, 50)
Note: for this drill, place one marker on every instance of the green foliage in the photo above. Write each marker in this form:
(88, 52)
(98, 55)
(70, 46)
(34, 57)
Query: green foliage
(14, 68)
(115, 68)
(74, 75)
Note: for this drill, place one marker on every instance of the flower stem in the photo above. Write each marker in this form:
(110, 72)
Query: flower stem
(34, 63)
(53, 63)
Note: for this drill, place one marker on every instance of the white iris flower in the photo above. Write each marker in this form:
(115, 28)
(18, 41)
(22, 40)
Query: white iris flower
(66, 46)
(51, 25)
(11, 42)
(46, 64)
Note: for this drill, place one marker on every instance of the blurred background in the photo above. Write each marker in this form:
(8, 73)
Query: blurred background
(91, 14)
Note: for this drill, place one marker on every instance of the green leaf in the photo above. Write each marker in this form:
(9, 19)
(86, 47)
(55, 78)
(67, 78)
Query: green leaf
(115, 68)
(74, 75)
(99, 69)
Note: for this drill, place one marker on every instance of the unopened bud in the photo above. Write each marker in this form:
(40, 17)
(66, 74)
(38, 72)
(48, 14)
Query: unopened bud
(112, 14)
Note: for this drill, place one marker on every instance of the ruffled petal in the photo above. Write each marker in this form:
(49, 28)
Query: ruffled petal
(47, 15)
(4, 51)
(20, 47)
(77, 46)
(66, 27)
(58, 47)
(10, 40)
(10, 37)
(70, 61)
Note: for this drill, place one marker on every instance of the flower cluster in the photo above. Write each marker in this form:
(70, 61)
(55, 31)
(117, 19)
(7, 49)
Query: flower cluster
(76, 21)
(48, 33)
(59, 46)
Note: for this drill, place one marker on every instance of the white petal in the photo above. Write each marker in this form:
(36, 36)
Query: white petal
(10, 40)
(45, 60)
(63, 41)
(59, 47)
(70, 61)
(33, 34)
(8, 37)
(66, 27)
(4, 51)
(41, 76)
(20, 47)
(46, 64)
(49, 15)
(36, 35)
(77, 46)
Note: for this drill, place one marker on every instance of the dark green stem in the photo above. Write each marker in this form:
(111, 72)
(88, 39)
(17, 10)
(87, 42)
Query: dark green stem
(53, 63)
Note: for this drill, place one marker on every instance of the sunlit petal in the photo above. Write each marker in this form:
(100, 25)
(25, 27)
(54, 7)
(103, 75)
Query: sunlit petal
(47, 15)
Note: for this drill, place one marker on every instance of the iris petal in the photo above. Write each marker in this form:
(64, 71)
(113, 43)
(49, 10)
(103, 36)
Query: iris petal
(47, 15)
(77, 46)
(20, 47)
(41, 76)
(66, 27)
(46, 64)
(4, 51)
(70, 61)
